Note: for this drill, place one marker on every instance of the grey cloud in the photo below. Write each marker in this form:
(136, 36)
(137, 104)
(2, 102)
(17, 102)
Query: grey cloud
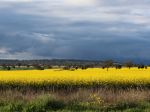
(61, 29)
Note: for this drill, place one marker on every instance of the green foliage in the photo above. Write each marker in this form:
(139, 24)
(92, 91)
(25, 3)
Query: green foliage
(47, 103)
(11, 107)
(44, 103)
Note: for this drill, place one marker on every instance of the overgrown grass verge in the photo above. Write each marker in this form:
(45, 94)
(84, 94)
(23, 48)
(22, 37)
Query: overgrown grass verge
(83, 100)
(46, 104)
(45, 85)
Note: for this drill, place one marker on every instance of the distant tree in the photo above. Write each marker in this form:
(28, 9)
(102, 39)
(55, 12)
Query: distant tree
(129, 64)
(49, 67)
(66, 68)
(28, 66)
(118, 66)
(4, 66)
(13, 67)
(8, 68)
(38, 67)
(141, 66)
(103, 67)
(84, 67)
(19, 64)
(108, 63)
(76, 67)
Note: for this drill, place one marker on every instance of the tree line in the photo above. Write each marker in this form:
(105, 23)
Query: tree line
(66, 64)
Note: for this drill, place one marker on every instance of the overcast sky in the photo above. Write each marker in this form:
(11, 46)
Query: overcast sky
(75, 29)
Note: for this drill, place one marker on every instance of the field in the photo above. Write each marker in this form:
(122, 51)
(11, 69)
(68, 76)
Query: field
(90, 77)
(93, 89)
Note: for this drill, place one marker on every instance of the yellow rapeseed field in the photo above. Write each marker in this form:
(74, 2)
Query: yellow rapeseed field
(78, 77)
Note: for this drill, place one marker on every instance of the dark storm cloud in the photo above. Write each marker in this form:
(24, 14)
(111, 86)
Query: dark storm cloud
(81, 29)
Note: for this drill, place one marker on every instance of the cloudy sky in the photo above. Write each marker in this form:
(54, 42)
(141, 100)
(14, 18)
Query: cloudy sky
(76, 29)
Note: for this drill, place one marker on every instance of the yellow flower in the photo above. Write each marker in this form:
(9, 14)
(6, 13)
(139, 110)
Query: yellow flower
(93, 76)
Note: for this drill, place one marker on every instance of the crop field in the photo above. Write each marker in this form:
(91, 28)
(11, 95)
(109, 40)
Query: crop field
(89, 77)
(90, 90)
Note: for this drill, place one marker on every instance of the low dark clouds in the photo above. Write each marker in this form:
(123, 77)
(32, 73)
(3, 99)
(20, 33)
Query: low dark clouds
(81, 29)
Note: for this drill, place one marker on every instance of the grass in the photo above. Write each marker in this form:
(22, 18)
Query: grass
(75, 101)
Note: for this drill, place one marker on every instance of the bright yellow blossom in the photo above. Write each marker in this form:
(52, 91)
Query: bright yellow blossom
(87, 77)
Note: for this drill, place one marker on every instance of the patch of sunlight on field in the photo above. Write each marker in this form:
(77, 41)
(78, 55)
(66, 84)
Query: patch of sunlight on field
(92, 75)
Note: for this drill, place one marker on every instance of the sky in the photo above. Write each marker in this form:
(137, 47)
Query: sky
(75, 29)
